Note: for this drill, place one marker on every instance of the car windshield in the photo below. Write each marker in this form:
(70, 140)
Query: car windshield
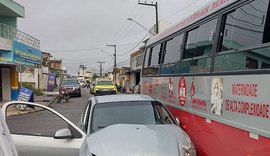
(135, 112)
(104, 83)
(69, 82)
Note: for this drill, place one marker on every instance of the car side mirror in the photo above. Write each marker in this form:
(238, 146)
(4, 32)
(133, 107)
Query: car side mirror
(63, 134)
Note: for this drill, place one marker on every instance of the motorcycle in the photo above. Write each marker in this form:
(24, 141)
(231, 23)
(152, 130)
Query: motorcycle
(63, 94)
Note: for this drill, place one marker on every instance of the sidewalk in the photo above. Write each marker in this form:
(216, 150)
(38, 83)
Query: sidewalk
(47, 98)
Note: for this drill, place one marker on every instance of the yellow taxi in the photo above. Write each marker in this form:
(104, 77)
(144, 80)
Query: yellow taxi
(103, 86)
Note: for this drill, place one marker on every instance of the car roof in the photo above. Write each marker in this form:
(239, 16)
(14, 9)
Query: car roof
(121, 98)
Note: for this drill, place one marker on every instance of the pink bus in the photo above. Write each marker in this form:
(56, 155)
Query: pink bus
(212, 70)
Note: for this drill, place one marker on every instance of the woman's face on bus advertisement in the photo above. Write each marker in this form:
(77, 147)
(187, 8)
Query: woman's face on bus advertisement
(216, 89)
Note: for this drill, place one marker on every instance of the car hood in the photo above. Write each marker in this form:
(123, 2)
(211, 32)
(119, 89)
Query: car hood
(136, 140)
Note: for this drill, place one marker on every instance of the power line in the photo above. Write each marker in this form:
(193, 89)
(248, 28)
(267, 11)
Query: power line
(134, 46)
(89, 49)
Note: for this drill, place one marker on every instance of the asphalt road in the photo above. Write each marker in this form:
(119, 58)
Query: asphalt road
(74, 108)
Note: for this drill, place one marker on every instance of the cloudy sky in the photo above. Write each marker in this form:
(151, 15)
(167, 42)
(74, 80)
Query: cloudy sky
(77, 31)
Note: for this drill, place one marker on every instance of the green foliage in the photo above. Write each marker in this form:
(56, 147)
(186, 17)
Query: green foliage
(31, 86)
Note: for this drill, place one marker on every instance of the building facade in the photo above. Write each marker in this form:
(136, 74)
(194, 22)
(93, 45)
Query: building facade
(136, 60)
(16, 49)
(124, 77)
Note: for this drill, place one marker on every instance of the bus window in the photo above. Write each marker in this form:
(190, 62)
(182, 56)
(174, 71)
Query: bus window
(171, 56)
(251, 63)
(199, 44)
(146, 61)
(155, 59)
(245, 26)
(200, 40)
(245, 60)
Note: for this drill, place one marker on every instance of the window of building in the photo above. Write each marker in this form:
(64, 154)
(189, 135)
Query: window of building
(245, 26)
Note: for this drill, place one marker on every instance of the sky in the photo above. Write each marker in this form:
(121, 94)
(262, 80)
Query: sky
(77, 31)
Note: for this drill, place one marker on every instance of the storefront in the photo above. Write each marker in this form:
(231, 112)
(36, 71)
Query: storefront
(6, 64)
(13, 54)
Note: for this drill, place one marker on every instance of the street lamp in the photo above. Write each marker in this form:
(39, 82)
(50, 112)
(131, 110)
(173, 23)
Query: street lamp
(130, 19)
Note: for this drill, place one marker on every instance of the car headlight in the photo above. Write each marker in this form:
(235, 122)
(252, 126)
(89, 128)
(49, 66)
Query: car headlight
(189, 149)
(97, 88)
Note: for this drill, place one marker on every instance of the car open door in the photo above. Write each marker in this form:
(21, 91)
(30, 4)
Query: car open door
(38, 130)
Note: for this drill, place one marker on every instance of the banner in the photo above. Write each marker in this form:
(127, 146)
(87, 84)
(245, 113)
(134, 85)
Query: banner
(25, 94)
(51, 82)
(26, 55)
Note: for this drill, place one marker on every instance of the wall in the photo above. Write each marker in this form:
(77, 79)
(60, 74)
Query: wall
(6, 84)
(132, 78)
(32, 77)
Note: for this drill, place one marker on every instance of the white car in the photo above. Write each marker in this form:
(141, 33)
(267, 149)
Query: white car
(34, 133)
(117, 125)
(7, 147)
(132, 125)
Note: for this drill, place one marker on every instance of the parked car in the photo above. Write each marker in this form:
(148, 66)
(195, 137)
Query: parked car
(132, 124)
(72, 86)
(103, 86)
(7, 147)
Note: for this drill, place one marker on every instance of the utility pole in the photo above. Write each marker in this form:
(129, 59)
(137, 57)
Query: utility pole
(100, 68)
(113, 45)
(156, 7)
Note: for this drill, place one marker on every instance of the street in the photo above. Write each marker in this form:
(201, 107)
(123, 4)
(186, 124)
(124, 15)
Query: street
(74, 108)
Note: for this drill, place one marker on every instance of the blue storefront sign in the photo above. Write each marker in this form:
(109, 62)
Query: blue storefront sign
(25, 94)
(25, 55)
(6, 57)
(51, 82)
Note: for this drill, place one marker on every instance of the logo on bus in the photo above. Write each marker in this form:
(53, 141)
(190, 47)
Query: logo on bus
(182, 88)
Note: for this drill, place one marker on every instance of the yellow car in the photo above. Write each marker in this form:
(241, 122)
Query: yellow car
(103, 87)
